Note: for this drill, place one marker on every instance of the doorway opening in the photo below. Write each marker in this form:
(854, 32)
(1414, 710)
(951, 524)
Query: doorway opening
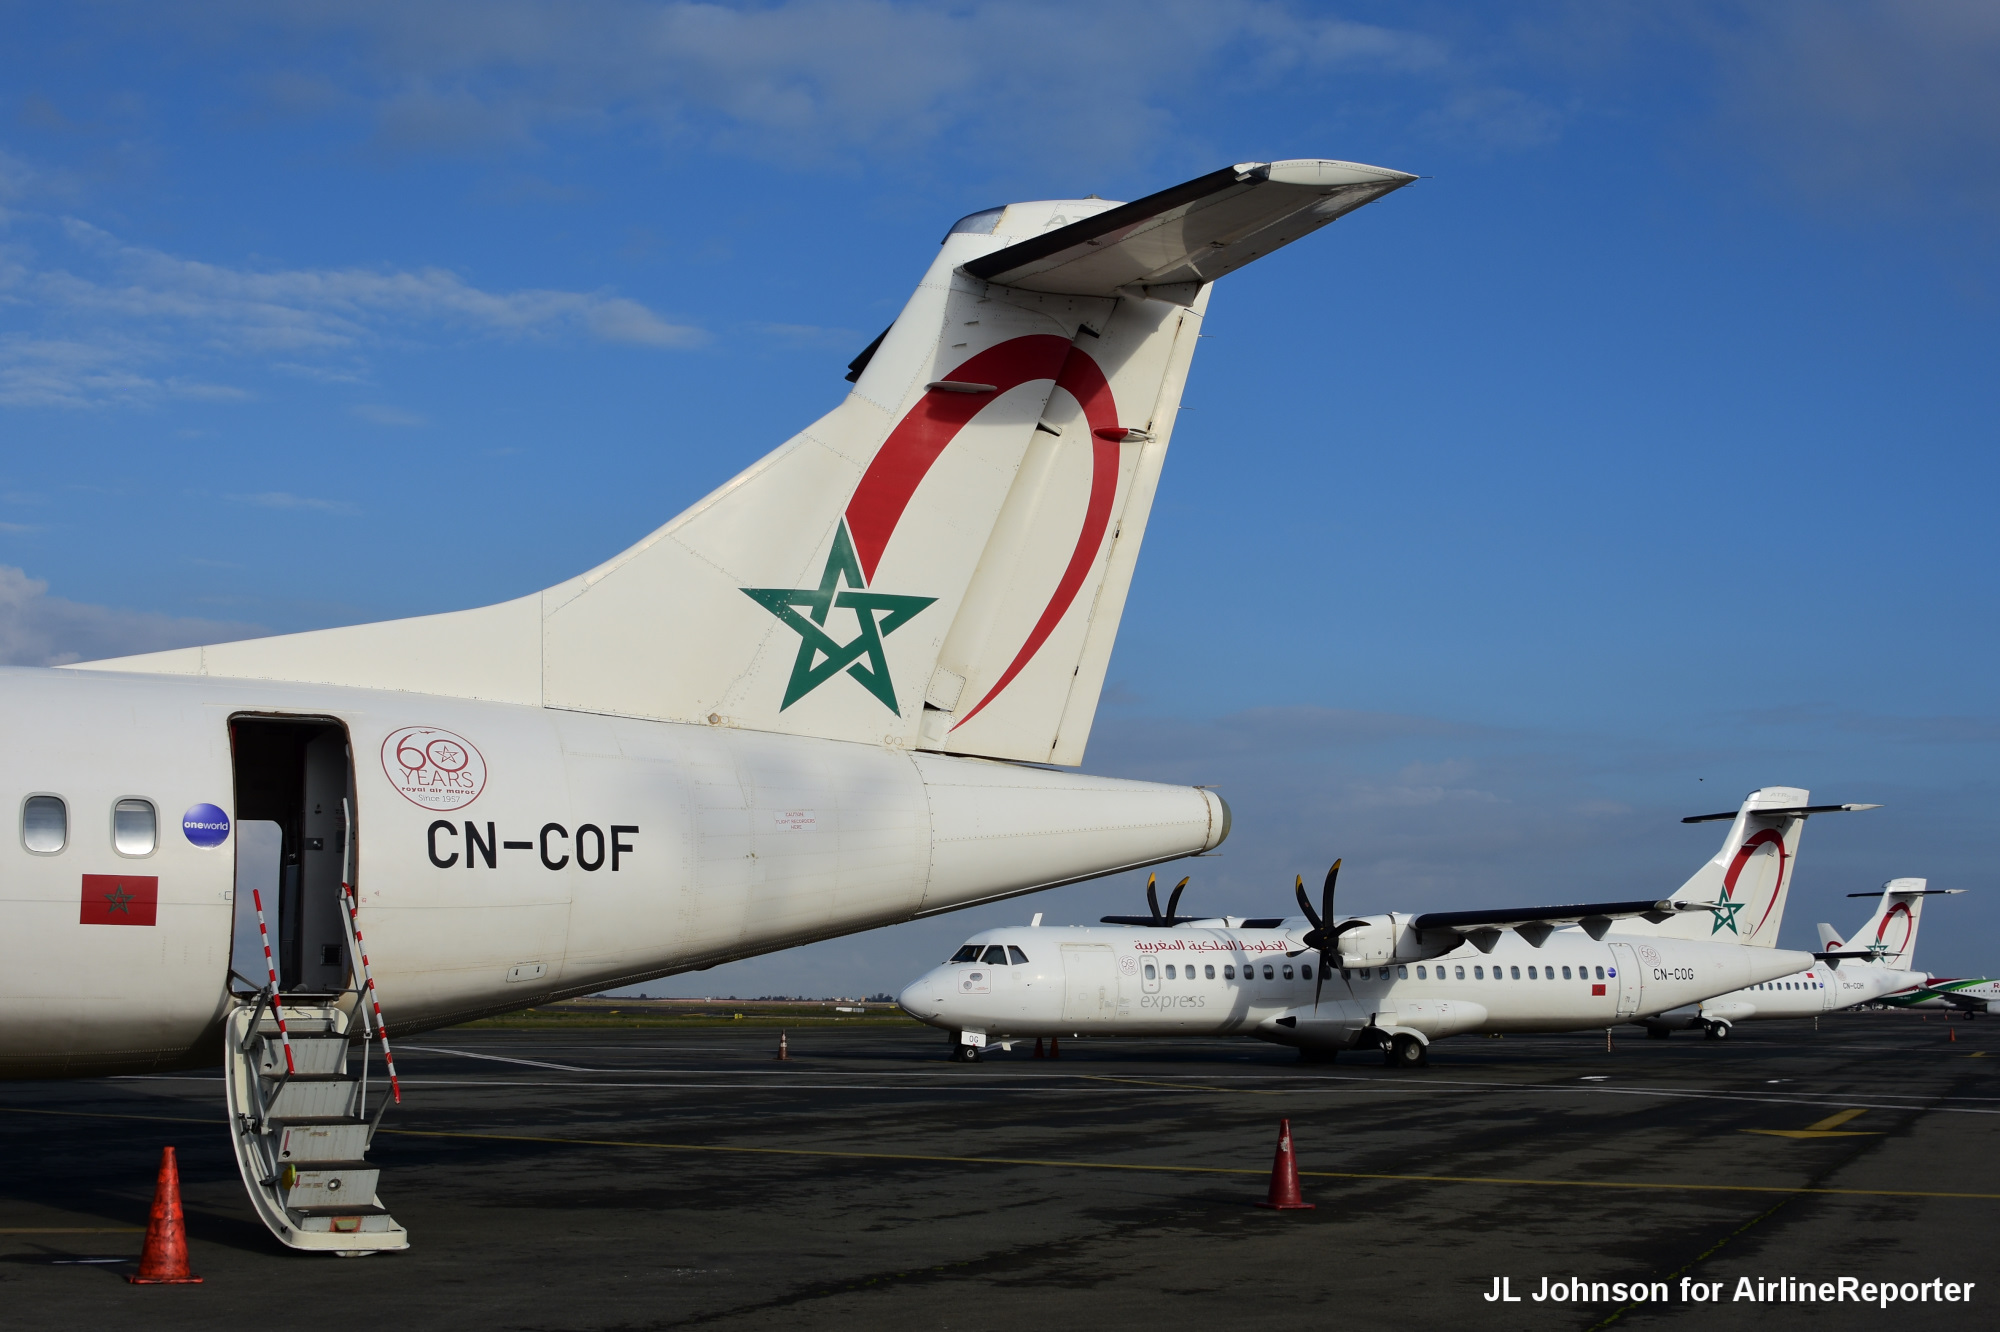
(292, 776)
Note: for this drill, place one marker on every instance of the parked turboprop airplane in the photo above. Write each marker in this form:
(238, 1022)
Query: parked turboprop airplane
(1970, 995)
(1875, 962)
(814, 703)
(1395, 981)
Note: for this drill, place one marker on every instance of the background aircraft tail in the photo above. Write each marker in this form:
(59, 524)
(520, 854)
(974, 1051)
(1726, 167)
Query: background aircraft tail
(1890, 934)
(940, 562)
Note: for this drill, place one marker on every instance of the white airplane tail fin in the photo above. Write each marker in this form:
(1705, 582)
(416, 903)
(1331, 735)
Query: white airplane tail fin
(940, 562)
(1747, 881)
(1890, 934)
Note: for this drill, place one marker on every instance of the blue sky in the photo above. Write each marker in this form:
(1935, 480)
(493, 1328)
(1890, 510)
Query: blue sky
(1639, 455)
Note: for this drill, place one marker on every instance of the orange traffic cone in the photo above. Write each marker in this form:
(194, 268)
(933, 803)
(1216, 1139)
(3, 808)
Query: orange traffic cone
(784, 1051)
(1038, 1049)
(1285, 1176)
(164, 1261)
(1954, 1033)
(1055, 1047)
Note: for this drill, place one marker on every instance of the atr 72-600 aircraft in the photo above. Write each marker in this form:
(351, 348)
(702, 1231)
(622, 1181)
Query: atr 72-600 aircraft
(1875, 962)
(816, 702)
(1394, 981)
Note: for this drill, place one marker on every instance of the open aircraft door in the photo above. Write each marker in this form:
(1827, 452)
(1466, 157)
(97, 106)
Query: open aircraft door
(1090, 983)
(1630, 983)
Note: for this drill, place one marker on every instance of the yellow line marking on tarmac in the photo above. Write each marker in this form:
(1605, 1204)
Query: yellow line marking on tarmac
(1089, 1165)
(1177, 1086)
(1824, 1129)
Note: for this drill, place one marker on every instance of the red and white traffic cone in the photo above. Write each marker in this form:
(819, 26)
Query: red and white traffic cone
(784, 1052)
(164, 1260)
(1284, 1196)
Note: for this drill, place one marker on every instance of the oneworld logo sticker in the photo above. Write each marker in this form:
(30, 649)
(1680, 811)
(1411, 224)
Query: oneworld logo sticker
(205, 825)
(433, 769)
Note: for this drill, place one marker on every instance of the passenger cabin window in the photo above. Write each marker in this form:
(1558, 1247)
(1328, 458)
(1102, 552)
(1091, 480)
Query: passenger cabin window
(1460, 972)
(1516, 972)
(1420, 973)
(1208, 973)
(1170, 971)
(969, 953)
(135, 828)
(1228, 972)
(1600, 973)
(1267, 971)
(44, 824)
(1531, 973)
(1151, 973)
(1565, 973)
(1402, 973)
(994, 956)
(1288, 973)
(1479, 973)
(1016, 956)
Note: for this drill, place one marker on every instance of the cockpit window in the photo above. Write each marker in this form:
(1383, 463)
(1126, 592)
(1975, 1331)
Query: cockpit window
(994, 956)
(1016, 956)
(969, 953)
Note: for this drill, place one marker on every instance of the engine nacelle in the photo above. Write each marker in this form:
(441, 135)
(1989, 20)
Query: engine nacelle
(1380, 940)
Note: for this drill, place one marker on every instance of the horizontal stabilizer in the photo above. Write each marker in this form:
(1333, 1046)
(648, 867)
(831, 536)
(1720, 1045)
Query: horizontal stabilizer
(1174, 241)
(1797, 811)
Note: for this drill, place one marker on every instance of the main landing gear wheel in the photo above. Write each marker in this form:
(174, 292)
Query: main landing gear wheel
(1718, 1031)
(1658, 1033)
(1406, 1052)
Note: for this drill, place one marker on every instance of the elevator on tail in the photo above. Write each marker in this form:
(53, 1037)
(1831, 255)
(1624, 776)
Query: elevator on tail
(821, 700)
(1396, 981)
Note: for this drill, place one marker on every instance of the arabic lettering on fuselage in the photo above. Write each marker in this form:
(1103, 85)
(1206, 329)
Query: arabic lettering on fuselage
(1213, 945)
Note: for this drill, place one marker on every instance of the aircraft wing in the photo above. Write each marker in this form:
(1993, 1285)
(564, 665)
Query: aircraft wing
(1537, 922)
(1191, 234)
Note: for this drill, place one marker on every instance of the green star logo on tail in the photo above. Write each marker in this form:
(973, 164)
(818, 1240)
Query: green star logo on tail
(820, 656)
(1725, 914)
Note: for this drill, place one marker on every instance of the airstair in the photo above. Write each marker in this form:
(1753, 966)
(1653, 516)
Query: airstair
(299, 1117)
(299, 1113)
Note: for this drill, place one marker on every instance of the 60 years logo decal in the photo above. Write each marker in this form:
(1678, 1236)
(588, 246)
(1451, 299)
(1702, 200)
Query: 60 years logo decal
(433, 769)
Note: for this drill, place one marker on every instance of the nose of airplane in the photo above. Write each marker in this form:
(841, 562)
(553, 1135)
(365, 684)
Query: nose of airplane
(924, 997)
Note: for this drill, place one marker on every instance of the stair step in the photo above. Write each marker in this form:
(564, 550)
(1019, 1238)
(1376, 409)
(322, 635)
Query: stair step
(314, 1098)
(313, 1053)
(340, 1210)
(323, 1184)
(355, 1223)
(321, 1140)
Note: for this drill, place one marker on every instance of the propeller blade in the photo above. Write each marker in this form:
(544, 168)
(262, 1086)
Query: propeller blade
(1305, 904)
(1174, 900)
(1318, 984)
(1326, 893)
(1153, 895)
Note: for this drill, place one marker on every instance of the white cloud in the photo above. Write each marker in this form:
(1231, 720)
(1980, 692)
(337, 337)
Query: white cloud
(798, 79)
(119, 323)
(1868, 104)
(37, 629)
(280, 499)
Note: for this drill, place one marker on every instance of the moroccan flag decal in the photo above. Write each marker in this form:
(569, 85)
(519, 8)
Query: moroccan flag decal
(120, 899)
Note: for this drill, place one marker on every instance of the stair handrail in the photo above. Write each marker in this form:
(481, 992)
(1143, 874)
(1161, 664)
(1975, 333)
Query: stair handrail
(271, 967)
(353, 904)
